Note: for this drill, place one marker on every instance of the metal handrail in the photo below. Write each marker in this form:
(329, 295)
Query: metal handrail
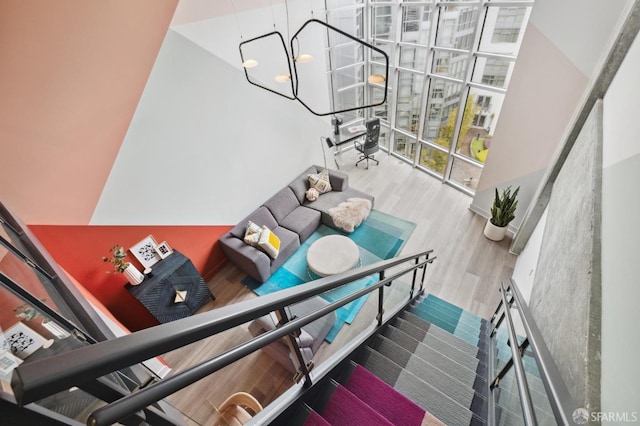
(528, 413)
(38, 379)
(136, 401)
(561, 401)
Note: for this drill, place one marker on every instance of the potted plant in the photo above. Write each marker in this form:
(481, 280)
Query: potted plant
(502, 213)
(120, 265)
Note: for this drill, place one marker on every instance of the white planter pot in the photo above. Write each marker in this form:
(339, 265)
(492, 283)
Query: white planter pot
(134, 276)
(495, 233)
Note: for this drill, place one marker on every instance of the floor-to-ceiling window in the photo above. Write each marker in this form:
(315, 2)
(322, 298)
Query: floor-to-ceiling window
(450, 64)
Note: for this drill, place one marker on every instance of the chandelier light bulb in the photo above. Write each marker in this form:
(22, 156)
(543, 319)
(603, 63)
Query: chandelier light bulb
(376, 78)
(304, 58)
(283, 78)
(250, 63)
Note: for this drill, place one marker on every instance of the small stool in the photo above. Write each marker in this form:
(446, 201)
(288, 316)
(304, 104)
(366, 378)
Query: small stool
(332, 255)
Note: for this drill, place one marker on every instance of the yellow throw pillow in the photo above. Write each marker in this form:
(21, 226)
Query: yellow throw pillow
(269, 242)
(252, 234)
(320, 181)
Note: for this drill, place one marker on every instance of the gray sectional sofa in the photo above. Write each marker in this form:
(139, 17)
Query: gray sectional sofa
(290, 216)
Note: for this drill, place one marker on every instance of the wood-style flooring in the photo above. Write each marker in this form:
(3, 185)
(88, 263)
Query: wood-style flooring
(467, 272)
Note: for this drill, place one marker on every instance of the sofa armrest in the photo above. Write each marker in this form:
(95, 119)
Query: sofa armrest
(339, 181)
(254, 262)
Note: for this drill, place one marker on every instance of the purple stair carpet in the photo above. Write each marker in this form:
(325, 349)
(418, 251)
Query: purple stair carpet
(315, 419)
(345, 409)
(391, 404)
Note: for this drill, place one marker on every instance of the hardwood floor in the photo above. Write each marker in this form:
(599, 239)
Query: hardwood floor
(467, 272)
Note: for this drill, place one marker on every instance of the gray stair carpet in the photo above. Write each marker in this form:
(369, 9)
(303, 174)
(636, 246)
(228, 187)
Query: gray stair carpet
(508, 397)
(463, 373)
(439, 332)
(508, 383)
(455, 321)
(466, 358)
(419, 391)
(441, 380)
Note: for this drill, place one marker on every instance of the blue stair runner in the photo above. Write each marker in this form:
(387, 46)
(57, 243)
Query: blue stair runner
(428, 366)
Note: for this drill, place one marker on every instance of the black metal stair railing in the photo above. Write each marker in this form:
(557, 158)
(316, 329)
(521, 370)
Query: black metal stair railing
(38, 379)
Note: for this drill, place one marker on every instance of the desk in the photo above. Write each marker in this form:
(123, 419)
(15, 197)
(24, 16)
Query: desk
(345, 136)
(157, 293)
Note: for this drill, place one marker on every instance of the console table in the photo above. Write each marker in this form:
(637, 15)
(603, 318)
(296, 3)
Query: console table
(158, 292)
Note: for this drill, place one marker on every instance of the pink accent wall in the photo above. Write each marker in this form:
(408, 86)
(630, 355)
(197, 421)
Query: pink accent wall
(543, 95)
(71, 77)
(198, 10)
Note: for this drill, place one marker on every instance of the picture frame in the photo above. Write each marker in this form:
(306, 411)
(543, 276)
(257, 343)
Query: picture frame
(23, 341)
(145, 252)
(163, 249)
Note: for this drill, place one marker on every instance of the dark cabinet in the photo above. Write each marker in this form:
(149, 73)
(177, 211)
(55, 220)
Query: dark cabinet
(169, 276)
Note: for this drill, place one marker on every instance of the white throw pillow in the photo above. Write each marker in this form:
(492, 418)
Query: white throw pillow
(320, 181)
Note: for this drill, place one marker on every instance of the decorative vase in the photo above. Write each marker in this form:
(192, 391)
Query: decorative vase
(134, 276)
(493, 232)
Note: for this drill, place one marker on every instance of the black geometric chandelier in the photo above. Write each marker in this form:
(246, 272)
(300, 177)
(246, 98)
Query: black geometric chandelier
(290, 60)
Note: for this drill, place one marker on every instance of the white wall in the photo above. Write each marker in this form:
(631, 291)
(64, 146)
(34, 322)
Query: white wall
(524, 270)
(205, 147)
(620, 238)
(562, 48)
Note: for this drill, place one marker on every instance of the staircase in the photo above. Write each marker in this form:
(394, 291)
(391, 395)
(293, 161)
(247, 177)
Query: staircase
(427, 366)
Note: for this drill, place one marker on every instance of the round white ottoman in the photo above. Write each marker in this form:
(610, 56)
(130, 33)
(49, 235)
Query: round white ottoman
(332, 254)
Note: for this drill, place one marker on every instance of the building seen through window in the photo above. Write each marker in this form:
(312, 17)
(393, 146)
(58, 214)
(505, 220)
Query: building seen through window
(450, 67)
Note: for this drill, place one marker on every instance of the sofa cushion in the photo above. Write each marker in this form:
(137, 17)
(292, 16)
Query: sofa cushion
(303, 221)
(261, 217)
(254, 262)
(289, 243)
(300, 184)
(311, 337)
(282, 203)
(339, 181)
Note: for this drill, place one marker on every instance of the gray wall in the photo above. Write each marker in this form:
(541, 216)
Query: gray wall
(566, 296)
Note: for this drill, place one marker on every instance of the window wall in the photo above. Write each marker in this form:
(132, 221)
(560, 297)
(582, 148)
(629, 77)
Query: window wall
(450, 64)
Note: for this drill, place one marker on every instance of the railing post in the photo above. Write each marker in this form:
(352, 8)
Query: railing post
(413, 281)
(303, 369)
(424, 271)
(380, 301)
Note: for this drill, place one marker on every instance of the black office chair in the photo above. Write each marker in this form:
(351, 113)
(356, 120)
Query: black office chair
(370, 145)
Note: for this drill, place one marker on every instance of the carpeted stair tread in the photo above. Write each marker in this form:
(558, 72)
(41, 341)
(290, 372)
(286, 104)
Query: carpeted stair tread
(465, 373)
(388, 402)
(445, 383)
(535, 385)
(438, 332)
(417, 390)
(314, 419)
(458, 316)
(451, 322)
(454, 308)
(509, 396)
(465, 358)
(459, 330)
(346, 409)
(465, 355)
